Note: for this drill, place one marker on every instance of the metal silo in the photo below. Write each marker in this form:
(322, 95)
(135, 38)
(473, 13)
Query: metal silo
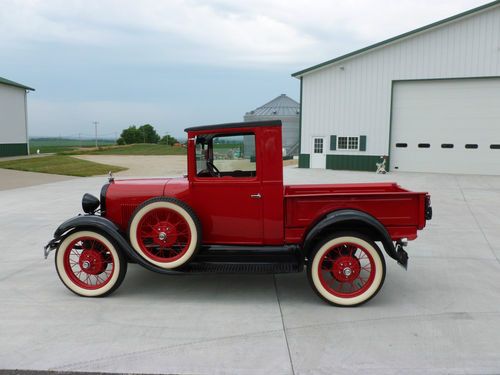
(288, 111)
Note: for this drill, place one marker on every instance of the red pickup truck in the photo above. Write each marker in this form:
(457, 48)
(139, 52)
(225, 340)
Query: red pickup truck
(233, 214)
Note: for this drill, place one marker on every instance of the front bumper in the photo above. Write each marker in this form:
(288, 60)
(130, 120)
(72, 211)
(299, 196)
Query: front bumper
(51, 245)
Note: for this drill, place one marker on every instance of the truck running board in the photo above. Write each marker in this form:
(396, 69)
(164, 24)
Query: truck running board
(246, 259)
(250, 268)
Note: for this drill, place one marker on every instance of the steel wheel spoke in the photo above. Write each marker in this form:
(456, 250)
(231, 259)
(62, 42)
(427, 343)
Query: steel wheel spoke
(346, 270)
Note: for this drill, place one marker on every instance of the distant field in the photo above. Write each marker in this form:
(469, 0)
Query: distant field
(56, 145)
(137, 149)
(60, 164)
(106, 147)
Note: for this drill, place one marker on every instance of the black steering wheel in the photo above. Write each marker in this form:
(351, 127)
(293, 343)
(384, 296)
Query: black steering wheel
(212, 169)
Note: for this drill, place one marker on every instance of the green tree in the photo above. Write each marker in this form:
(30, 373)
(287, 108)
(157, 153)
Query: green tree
(131, 135)
(168, 140)
(143, 134)
(149, 134)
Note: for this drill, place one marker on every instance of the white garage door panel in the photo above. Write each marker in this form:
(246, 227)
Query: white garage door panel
(458, 112)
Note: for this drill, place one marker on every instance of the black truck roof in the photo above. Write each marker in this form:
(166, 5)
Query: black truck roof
(249, 124)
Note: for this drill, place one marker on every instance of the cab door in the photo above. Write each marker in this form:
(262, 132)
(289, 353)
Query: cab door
(228, 197)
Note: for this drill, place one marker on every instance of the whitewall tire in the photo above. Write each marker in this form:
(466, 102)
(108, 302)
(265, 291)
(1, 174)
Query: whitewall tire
(89, 264)
(346, 269)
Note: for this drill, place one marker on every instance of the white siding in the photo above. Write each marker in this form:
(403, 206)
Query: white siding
(356, 100)
(12, 115)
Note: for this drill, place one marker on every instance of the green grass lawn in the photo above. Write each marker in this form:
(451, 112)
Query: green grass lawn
(59, 145)
(136, 149)
(60, 164)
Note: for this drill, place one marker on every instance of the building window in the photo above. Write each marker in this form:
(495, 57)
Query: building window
(424, 145)
(318, 145)
(471, 146)
(495, 147)
(401, 145)
(447, 145)
(348, 143)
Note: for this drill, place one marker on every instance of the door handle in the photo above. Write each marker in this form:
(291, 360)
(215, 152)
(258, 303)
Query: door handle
(256, 196)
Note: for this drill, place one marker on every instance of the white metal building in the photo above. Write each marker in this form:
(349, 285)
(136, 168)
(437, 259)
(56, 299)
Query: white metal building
(13, 118)
(429, 99)
(285, 109)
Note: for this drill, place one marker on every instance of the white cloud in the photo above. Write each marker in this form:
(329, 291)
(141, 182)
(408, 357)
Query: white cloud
(220, 32)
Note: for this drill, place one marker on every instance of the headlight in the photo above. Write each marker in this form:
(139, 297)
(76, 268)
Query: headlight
(89, 203)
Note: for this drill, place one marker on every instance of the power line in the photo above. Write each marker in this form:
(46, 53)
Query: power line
(95, 123)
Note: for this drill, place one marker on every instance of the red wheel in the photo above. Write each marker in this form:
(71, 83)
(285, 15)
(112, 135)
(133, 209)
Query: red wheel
(89, 264)
(164, 231)
(347, 270)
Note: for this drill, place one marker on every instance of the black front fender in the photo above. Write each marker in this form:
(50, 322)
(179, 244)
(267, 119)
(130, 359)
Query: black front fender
(354, 218)
(101, 224)
(89, 221)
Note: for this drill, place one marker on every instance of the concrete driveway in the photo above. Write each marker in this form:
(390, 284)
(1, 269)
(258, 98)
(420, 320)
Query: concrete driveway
(143, 165)
(10, 179)
(440, 316)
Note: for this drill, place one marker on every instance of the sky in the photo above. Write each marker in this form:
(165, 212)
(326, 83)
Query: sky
(180, 63)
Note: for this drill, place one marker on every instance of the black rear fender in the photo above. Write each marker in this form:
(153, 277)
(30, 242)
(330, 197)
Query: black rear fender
(354, 220)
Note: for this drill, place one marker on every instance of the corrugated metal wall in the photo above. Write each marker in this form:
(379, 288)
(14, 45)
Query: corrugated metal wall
(353, 97)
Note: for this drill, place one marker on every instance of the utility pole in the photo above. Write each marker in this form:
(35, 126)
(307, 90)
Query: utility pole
(95, 124)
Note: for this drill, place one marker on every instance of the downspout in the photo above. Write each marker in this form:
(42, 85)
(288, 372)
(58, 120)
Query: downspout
(26, 121)
(300, 119)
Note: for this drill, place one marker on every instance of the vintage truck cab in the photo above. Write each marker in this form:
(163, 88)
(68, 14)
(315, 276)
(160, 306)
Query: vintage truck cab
(233, 214)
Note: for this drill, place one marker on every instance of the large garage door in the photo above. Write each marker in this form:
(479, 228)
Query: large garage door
(446, 126)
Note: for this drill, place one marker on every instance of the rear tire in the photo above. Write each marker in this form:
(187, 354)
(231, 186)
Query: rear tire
(346, 269)
(89, 264)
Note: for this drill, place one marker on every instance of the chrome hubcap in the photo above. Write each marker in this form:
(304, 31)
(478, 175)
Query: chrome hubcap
(347, 272)
(162, 236)
(86, 265)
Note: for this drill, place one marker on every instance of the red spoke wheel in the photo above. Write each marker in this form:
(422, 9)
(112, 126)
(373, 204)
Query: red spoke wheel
(89, 264)
(346, 269)
(165, 232)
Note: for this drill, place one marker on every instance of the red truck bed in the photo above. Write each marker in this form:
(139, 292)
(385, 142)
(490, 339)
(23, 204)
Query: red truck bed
(401, 211)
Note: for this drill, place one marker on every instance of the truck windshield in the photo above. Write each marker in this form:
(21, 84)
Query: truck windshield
(219, 155)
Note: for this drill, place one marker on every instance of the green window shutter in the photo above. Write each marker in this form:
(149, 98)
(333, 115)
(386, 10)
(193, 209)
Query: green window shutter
(333, 142)
(362, 143)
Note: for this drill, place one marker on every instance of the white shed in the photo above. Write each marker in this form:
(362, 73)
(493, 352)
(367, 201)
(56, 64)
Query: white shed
(13, 118)
(428, 99)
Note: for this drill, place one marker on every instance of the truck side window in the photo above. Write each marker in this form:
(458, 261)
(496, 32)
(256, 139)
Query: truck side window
(220, 155)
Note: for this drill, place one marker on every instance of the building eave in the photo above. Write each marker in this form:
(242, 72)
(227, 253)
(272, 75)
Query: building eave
(8, 82)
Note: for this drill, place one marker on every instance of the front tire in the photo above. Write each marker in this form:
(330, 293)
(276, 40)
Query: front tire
(89, 264)
(346, 269)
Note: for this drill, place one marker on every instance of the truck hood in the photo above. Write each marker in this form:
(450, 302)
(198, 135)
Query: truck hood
(140, 188)
(120, 197)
